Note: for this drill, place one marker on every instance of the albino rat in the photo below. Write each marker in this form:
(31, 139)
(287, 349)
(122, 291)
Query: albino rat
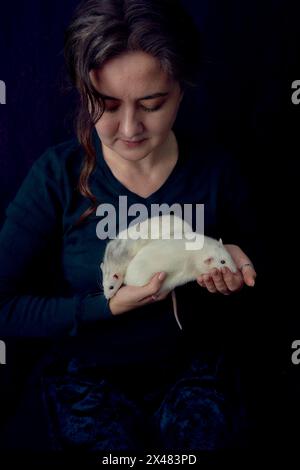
(180, 265)
(120, 251)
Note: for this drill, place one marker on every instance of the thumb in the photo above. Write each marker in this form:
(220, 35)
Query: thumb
(155, 283)
(249, 275)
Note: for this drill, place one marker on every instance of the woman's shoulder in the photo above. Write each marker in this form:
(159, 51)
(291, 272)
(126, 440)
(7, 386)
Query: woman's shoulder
(65, 157)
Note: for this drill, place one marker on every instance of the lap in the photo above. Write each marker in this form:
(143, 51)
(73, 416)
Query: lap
(192, 416)
(183, 407)
(91, 415)
(183, 410)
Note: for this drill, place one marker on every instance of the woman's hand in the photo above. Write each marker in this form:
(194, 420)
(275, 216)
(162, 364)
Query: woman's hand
(130, 297)
(224, 281)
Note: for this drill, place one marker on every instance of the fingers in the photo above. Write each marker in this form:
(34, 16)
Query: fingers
(243, 263)
(223, 282)
(160, 296)
(220, 282)
(233, 281)
(154, 298)
(207, 280)
(213, 282)
(249, 274)
(155, 284)
(131, 297)
(151, 290)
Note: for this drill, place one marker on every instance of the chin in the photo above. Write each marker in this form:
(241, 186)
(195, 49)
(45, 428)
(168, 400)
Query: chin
(133, 158)
(135, 154)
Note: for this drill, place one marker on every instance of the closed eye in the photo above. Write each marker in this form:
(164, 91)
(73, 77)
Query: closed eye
(151, 110)
(144, 108)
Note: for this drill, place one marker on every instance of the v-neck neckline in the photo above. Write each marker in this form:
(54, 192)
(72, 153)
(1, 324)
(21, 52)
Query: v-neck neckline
(121, 189)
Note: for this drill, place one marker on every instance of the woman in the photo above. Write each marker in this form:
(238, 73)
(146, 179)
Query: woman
(132, 62)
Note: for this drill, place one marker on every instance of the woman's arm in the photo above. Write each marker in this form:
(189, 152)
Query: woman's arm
(23, 314)
(32, 227)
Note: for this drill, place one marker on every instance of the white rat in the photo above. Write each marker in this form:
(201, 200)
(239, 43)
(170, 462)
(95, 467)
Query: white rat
(120, 251)
(180, 265)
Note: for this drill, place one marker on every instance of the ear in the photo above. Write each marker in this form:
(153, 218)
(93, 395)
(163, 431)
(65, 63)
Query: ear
(220, 242)
(209, 260)
(115, 276)
(102, 266)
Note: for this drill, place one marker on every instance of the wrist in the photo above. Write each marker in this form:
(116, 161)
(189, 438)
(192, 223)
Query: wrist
(114, 307)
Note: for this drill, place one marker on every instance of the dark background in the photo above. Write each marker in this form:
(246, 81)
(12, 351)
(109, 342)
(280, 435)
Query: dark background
(251, 56)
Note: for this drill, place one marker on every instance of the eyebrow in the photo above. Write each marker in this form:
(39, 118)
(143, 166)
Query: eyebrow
(148, 97)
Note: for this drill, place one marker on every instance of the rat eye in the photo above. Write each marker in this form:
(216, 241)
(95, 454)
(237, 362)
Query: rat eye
(111, 287)
(223, 261)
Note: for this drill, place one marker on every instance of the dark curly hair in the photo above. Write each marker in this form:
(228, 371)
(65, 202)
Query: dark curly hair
(103, 29)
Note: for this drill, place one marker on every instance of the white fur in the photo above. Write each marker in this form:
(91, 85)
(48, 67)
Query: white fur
(120, 252)
(180, 265)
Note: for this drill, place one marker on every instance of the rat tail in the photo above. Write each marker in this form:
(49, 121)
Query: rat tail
(175, 310)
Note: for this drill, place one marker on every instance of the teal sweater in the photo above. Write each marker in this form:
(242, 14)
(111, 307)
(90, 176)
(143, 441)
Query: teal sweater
(50, 281)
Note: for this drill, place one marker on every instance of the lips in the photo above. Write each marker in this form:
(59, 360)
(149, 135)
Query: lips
(133, 143)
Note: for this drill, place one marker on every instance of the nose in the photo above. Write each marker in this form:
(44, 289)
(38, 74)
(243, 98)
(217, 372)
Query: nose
(130, 124)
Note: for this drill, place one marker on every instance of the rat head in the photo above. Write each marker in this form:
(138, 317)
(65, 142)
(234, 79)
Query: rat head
(220, 258)
(111, 281)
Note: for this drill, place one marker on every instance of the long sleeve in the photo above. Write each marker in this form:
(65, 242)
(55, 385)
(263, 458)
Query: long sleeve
(29, 304)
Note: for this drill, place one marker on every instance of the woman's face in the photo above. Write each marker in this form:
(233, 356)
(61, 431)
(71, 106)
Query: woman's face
(141, 104)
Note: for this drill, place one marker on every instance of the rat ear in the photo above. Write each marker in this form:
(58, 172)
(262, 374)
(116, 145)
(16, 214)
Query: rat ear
(220, 242)
(115, 276)
(102, 266)
(209, 260)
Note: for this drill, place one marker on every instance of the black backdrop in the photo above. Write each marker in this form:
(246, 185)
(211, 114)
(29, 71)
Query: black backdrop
(251, 56)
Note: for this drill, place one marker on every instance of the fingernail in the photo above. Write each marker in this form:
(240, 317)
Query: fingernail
(252, 283)
(161, 276)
